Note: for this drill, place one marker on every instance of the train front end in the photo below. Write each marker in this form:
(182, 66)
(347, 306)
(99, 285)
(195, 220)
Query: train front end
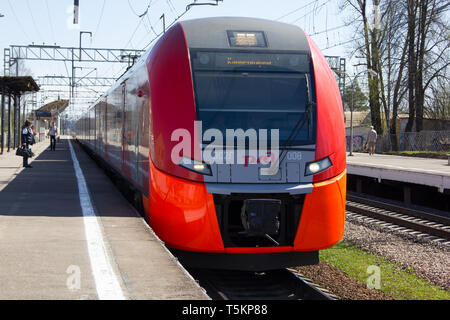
(248, 165)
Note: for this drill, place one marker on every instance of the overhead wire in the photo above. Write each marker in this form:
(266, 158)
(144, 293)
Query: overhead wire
(295, 10)
(67, 70)
(157, 35)
(167, 27)
(172, 7)
(50, 21)
(100, 19)
(134, 11)
(149, 29)
(312, 11)
(342, 43)
(317, 5)
(328, 30)
(141, 19)
(34, 22)
(134, 32)
(151, 26)
(140, 16)
(18, 21)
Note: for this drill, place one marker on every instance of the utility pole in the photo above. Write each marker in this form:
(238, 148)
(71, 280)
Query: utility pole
(81, 33)
(72, 83)
(76, 11)
(371, 73)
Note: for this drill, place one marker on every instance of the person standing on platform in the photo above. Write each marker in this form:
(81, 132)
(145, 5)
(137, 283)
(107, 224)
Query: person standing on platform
(34, 135)
(33, 139)
(27, 140)
(34, 131)
(53, 132)
(372, 137)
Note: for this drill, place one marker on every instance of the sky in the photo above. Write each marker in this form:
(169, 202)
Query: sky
(116, 24)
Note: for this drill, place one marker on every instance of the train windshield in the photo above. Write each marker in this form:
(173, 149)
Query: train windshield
(255, 91)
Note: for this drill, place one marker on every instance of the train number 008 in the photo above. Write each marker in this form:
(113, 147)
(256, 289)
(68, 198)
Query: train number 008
(294, 156)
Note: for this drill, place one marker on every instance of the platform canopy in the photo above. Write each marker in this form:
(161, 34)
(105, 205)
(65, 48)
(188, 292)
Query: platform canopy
(53, 108)
(18, 85)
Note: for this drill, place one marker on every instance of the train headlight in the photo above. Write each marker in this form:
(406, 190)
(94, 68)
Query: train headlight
(316, 167)
(195, 166)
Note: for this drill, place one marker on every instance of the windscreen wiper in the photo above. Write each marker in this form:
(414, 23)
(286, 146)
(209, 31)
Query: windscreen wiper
(309, 104)
(301, 122)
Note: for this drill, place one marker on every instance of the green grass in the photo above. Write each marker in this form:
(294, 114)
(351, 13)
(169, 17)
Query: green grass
(396, 282)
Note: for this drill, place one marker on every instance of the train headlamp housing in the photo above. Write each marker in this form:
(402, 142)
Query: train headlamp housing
(196, 166)
(316, 167)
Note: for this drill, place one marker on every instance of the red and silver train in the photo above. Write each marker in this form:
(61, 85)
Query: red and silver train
(227, 74)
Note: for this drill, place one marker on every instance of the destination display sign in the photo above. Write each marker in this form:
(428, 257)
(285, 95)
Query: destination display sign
(249, 61)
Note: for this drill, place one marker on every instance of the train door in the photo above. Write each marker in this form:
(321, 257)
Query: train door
(99, 127)
(123, 109)
(94, 124)
(132, 127)
(105, 130)
(139, 135)
(88, 131)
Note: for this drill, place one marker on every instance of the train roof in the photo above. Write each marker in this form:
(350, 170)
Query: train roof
(215, 33)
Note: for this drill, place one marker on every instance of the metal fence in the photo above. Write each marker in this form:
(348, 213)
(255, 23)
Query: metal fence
(406, 141)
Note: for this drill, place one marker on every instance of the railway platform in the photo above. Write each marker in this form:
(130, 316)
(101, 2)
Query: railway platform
(67, 233)
(421, 171)
(414, 181)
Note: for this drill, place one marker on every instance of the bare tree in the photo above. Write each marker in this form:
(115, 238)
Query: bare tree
(428, 43)
(438, 101)
(409, 51)
(370, 49)
(19, 68)
(394, 60)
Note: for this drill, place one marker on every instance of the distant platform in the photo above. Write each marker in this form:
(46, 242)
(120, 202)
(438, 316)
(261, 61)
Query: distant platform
(421, 171)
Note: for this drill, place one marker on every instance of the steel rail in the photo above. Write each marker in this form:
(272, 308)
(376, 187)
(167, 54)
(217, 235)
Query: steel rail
(429, 223)
(280, 284)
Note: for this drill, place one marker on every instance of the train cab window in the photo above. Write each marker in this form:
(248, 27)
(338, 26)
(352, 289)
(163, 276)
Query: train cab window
(255, 91)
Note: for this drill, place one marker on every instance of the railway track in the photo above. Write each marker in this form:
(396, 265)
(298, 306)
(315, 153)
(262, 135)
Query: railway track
(246, 285)
(416, 221)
